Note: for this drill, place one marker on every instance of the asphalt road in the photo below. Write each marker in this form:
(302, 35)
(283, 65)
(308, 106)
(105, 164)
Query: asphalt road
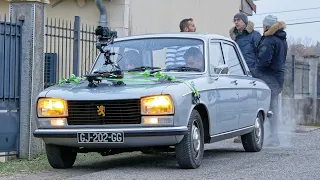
(297, 158)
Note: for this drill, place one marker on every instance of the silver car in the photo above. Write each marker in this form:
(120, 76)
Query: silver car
(175, 92)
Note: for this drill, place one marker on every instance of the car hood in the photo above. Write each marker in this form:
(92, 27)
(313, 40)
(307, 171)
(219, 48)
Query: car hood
(105, 90)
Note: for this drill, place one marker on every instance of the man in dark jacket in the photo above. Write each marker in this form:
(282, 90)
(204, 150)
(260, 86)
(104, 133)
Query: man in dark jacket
(247, 38)
(270, 66)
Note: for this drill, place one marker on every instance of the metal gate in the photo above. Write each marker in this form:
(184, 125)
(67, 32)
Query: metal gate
(10, 51)
(69, 49)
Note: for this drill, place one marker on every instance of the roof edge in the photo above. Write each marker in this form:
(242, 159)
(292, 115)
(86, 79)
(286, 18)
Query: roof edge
(252, 5)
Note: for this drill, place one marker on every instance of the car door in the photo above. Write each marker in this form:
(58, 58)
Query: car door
(244, 85)
(223, 99)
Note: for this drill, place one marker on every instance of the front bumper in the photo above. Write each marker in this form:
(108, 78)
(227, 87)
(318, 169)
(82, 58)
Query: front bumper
(133, 137)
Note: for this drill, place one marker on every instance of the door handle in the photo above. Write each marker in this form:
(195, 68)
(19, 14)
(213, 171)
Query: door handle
(253, 82)
(234, 82)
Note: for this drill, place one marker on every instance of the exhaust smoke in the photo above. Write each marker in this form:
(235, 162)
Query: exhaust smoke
(289, 116)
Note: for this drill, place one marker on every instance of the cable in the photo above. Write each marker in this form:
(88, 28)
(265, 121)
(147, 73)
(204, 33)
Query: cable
(298, 19)
(288, 11)
(310, 22)
(301, 19)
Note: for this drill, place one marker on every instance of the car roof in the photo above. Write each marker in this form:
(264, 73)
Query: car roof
(202, 36)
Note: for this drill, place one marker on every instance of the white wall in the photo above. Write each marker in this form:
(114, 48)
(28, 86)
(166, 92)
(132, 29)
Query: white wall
(153, 16)
(149, 16)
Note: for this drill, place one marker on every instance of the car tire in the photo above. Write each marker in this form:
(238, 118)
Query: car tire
(60, 157)
(253, 142)
(189, 152)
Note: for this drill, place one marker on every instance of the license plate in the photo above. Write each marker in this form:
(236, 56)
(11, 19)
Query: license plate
(100, 137)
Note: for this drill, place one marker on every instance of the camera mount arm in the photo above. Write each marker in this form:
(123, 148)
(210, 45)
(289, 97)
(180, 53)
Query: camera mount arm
(105, 37)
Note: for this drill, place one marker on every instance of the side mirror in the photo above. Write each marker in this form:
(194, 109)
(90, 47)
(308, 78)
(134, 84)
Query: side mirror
(221, 69)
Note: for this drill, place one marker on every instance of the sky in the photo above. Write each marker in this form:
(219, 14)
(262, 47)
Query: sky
(303, 31)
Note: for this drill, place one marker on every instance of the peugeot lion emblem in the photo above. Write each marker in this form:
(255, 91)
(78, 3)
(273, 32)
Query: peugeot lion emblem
(101, 110)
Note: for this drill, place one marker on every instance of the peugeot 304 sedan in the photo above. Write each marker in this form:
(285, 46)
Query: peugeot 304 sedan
(171, 92)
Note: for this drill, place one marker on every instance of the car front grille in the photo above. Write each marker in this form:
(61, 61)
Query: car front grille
(116, 112)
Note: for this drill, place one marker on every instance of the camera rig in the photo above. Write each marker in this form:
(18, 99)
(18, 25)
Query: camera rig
(109, 69)
(105, 37)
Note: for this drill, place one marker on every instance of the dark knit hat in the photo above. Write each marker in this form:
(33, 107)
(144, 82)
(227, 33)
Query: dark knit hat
(242, 16)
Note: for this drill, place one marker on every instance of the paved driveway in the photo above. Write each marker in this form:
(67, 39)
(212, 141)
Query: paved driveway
(298, 158)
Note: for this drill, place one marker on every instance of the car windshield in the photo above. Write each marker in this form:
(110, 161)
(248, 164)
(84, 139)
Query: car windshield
(172, 54)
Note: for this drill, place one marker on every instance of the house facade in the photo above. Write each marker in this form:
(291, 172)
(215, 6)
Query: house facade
(131, 17)
(66, 55)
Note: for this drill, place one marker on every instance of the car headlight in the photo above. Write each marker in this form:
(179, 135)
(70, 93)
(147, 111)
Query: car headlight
(52, 107)
(157, 105)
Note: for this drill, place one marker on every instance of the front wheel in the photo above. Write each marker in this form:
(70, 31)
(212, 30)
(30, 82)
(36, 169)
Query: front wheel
(60, 157)
(189, 152)
(253, 142)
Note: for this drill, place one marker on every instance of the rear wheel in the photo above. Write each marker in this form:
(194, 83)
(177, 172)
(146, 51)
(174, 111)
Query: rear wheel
(253, 142)
(60, 157)
(189, 152)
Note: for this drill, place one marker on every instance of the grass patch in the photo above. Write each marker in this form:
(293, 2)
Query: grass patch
(20, 166)
(38, 164)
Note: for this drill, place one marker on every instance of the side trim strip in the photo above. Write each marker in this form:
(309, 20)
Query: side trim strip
(9, 110)
(231, 134)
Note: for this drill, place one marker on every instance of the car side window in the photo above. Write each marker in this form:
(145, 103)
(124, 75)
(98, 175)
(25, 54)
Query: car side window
(216, 57)
(232, 60)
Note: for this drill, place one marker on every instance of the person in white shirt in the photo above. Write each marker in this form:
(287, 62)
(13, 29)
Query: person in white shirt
(175, 54)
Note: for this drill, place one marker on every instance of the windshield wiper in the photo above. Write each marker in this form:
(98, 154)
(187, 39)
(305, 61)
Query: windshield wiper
(183, 68)
(143, 68)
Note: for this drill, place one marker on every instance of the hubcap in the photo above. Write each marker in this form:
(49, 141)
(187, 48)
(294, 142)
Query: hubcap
(196, 139)
(258, 130)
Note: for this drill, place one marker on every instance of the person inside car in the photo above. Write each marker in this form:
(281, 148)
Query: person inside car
(131, 59)
(174, 56)
(194, 58)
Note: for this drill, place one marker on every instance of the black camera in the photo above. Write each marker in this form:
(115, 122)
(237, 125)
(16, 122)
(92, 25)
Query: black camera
(105, 34)
(105, 37)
